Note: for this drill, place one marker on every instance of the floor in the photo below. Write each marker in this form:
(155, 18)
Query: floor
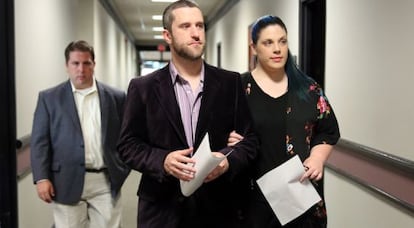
(34, 213)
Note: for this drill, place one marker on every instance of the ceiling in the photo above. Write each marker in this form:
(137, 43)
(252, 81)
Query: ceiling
(135, 16)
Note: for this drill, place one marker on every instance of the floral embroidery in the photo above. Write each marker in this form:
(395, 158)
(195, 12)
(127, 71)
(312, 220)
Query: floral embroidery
(320, 210)
(289, 146)
(249, 86)
(322, 104)
(309, 132)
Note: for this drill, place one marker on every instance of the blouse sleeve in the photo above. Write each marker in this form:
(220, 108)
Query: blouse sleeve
(326, 130)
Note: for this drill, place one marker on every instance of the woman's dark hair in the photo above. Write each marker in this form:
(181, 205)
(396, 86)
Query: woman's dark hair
(298, 82)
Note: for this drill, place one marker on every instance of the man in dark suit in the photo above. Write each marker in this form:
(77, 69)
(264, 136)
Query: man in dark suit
(168, 112)
(73, 146)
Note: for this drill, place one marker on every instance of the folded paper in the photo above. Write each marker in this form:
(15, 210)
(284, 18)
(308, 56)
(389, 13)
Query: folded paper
(205, 162)
(288, 197)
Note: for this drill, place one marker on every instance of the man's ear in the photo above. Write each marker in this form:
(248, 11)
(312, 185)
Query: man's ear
(167, 36)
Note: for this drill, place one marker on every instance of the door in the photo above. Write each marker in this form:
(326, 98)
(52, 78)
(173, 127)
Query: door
(312, 20)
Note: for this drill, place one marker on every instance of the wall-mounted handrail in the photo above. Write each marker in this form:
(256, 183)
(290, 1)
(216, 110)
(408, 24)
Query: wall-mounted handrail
(23, 156)
(386, 174)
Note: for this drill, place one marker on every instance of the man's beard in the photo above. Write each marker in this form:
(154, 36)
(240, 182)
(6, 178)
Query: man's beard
(186, 53)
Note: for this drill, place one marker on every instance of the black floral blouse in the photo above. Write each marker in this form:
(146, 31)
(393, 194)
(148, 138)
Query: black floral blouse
(286, 126)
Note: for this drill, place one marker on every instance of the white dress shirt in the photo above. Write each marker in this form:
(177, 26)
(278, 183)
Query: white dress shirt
(89, 112)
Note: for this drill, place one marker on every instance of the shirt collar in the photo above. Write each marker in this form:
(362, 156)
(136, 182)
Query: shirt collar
(174, 73)
(85, 91)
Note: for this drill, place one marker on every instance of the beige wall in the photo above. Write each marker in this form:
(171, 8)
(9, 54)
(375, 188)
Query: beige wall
(232, 31)
(369, 73)
(368, 63)
(368, 80)
(43, 28)
(116, 64)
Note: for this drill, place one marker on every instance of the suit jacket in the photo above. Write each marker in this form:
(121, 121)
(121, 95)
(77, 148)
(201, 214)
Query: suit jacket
(57, 145)
(152, 128)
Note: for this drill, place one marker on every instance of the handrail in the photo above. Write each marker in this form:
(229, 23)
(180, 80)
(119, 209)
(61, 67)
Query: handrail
(23, 156)
(386, 174)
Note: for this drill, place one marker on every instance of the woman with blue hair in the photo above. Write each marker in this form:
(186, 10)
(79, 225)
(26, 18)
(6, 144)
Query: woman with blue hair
(292, 116)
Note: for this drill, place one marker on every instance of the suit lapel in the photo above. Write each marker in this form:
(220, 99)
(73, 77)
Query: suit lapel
(104, 105)
(68, 103)
(210, 91)
(164, 91)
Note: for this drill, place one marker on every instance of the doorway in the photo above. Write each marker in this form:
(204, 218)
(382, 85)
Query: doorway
(8, 189)
(312, 24)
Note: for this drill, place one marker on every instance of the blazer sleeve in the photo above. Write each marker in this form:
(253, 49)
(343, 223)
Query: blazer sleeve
(133, 146)
(245, 151)
(40, 145)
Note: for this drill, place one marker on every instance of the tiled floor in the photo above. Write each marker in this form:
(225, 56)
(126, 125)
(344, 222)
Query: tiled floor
(130, 199)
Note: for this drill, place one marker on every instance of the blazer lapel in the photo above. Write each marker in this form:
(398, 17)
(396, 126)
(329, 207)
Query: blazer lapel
(165, 95)
(68, 103)
(104, 105)
(211, 86)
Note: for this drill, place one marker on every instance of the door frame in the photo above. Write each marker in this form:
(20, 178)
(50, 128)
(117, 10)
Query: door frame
(8, 172)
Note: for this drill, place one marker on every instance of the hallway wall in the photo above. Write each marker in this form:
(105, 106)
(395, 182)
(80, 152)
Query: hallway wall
(368, 63)
(43, 30)
(369, 74)
(368, 80)
(232, 31)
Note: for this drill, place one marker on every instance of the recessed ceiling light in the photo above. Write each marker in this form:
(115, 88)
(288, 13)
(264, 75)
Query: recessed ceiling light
(158, 37)
(158, 29)
(157, 17)
(163, 0)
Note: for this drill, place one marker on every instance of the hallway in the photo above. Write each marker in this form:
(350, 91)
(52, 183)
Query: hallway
(33, 213)
(368, 78)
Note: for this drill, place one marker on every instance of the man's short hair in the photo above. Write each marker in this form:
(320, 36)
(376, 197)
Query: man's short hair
(168, 17)
(79, 45)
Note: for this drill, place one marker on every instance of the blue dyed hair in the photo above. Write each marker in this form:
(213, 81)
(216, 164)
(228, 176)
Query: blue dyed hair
(298, 81)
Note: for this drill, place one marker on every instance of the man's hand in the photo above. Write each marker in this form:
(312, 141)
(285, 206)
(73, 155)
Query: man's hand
(45, 190)
(219, 170)
(179, 165)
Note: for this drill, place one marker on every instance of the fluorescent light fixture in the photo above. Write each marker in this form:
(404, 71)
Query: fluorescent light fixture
(163, 0)
(157, 17)
(158, 29)
(158, 37)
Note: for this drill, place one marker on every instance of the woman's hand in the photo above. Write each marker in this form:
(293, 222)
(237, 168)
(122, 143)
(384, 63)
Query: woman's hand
(315, 162)
(234, 138)
(220, 168)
